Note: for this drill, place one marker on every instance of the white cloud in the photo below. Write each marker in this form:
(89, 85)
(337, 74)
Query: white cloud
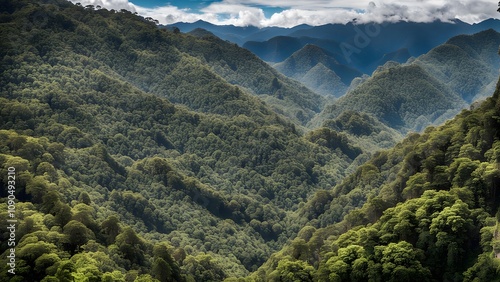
(109, 4)
(314, 12)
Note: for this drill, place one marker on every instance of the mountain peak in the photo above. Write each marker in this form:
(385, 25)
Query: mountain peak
(200, 32)
(313, 51)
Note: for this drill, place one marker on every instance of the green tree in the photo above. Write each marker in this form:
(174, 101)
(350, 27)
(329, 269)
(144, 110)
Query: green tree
(293, 271)
(76, 234)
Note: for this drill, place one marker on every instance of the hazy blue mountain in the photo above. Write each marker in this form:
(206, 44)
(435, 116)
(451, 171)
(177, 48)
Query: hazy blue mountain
(275, 49)
(319, 70)
(399, 56)
(365, 46)
(237, 34)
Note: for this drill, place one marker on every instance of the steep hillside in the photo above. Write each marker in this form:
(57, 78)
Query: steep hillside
(181, 76)
(467, 63)
(402, 97)
(307, 64)
(240, 67)
(323, 81)
(116, 182)
(422, 211)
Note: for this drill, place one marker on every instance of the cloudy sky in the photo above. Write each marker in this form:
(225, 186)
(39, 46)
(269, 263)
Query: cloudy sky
(288, 13)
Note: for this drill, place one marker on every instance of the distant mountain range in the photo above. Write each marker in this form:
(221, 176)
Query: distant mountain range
(361, 46)
(327, 58)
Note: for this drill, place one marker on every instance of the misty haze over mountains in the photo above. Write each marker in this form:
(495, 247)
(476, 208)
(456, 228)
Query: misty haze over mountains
(335, 59)
(359, 44)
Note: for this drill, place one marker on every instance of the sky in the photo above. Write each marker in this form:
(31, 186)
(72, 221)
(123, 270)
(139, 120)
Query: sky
(289, 13)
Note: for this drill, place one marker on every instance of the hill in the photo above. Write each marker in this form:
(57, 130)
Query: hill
(467, 64)
(242, 68)
(402, 97)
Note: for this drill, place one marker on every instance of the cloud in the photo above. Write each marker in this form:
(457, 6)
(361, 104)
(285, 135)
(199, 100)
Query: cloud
(109, 4)
(314, 12)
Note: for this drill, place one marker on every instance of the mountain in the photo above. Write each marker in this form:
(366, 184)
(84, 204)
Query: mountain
(130, 152)
(429, 89)
(317, 69)
(467, 63)
(426, 210)
(399, 56)
(200, 33)
(276, 49)
(142, 153)
(226, 32)
(364, 46)
(402, 97)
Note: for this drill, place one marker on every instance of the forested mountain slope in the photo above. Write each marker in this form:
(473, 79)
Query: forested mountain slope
(468, 64)
(178, 66)
(428, 90)
(422, 211)
(240, 67)
(114, 181)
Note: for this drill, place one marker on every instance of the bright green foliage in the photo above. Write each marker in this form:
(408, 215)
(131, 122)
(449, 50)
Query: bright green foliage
(293, 271)
(422, 211)
(203, 268)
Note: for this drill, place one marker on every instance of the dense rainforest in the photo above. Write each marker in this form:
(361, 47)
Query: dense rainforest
(426, 210)
(145, 154)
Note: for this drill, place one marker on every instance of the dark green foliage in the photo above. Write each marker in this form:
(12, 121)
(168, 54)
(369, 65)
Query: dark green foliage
(466, 65)
(107, 167)
(116, 183)
(333, 140)
(399, 97)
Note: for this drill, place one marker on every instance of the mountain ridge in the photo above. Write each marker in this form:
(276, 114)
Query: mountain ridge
(448, 70)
